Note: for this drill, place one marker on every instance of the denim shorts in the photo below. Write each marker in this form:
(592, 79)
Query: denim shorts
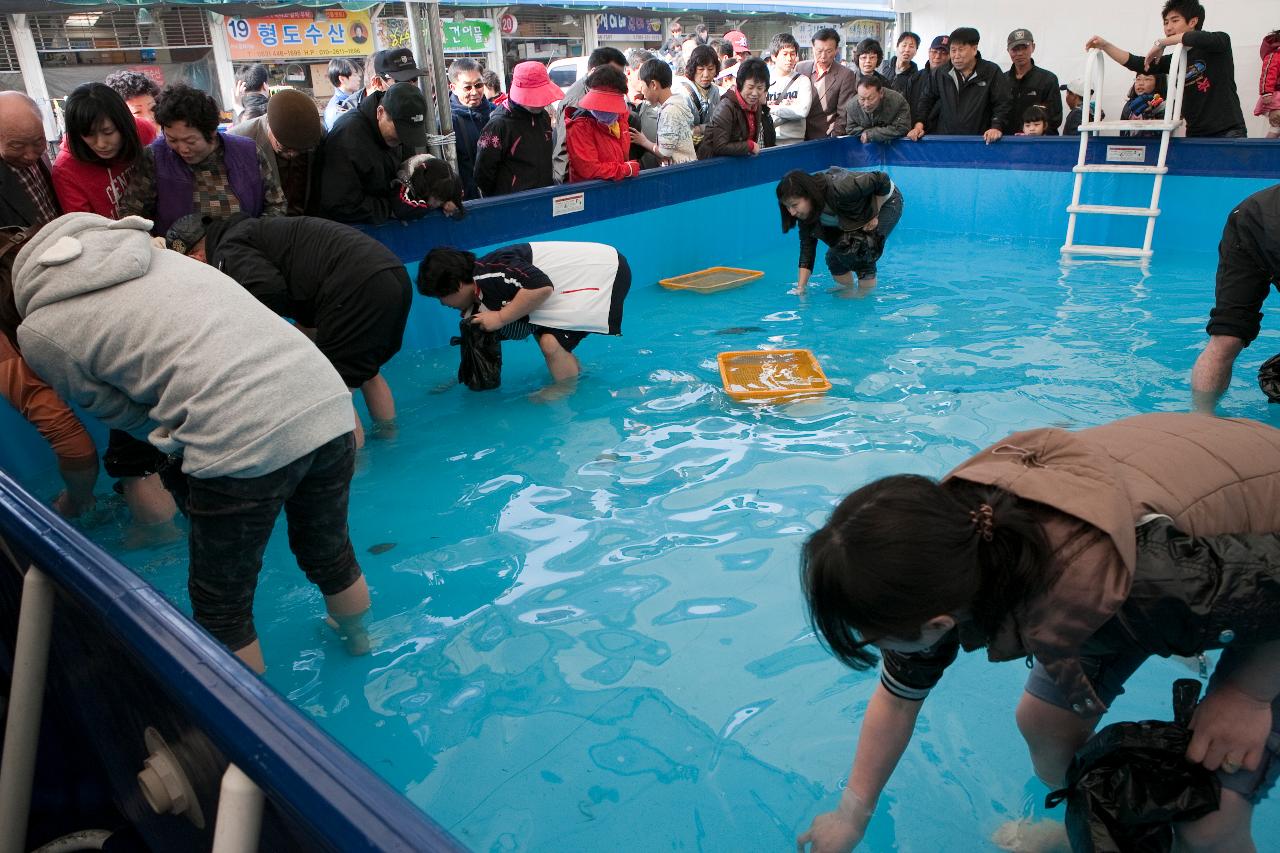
(1108, 673)
(864, 264)
(232, 518)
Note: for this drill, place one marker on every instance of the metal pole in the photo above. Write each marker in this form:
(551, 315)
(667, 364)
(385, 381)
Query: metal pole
(223, 71)
(24, 46)
(26, 702)
(239, 825)
(421, 57)
(434, 30)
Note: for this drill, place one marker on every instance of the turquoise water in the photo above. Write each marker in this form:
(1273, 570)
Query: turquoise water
(588, 628)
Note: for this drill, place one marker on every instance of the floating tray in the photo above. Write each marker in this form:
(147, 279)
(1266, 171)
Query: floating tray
(711, 280)
(771, 374)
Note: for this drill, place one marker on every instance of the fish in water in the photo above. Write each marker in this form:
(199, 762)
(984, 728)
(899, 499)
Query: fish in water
(381, 547)
(739, 330)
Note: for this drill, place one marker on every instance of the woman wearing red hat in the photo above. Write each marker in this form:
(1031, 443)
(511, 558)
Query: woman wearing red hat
(515, 148)
(598, 136)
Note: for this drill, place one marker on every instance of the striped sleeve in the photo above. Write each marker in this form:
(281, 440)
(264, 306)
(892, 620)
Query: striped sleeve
(911, 675)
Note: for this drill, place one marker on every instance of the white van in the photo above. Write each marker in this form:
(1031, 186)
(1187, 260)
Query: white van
(565, 72)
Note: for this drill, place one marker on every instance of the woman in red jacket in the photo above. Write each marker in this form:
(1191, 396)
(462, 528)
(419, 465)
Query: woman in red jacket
(103, 142)
(598, 137)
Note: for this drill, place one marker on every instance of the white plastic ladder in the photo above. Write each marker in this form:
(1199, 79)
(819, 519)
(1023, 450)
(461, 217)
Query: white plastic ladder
(1095, 62)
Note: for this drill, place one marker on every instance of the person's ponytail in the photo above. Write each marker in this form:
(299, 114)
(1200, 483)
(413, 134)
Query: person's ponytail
(1014, 559)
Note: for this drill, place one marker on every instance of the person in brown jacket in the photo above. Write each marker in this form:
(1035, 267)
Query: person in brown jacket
(1086, 552)
(741, 125)
(833, 86)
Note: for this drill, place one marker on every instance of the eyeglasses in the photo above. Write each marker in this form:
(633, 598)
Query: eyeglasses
(471, 87)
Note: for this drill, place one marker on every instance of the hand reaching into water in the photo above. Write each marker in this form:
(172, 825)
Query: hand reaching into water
(838, 831)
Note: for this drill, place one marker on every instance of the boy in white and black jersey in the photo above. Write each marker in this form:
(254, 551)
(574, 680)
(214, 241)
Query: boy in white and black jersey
(790, 93)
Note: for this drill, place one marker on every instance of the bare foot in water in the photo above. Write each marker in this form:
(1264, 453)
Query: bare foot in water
(352, 632)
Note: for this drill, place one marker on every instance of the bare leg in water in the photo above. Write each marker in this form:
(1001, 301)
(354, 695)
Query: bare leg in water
(346, 616)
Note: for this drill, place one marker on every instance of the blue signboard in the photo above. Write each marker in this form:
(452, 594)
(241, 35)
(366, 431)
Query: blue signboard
(614, 27)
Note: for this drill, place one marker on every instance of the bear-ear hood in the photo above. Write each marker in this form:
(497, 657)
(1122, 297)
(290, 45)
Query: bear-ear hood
(80, 253)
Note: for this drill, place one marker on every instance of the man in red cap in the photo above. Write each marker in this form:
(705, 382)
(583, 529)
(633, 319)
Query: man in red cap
(598, 135)
(515, 148)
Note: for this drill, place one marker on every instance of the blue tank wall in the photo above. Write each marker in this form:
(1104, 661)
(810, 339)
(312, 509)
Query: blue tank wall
(1017, 188)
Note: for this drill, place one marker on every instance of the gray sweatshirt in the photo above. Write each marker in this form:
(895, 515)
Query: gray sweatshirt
(168, 348)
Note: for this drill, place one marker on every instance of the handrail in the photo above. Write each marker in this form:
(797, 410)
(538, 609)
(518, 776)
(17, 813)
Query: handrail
(307, 774)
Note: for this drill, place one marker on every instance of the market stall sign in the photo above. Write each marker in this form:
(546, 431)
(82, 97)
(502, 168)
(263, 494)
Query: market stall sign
(470, 36)
(299, 34)
(628, 28)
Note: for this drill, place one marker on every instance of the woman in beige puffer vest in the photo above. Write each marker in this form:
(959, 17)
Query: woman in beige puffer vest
(1083, 552)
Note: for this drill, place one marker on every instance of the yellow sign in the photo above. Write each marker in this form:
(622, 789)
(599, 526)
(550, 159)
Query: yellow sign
(300, 35)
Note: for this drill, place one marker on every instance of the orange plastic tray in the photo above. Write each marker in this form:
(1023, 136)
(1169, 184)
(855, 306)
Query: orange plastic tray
(711, 280)
(771, 374)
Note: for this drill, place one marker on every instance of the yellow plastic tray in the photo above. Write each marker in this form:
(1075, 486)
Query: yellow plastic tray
(771, 374)
(711, 280)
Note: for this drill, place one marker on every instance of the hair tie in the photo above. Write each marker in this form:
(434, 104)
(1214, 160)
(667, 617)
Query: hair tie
(983, 521)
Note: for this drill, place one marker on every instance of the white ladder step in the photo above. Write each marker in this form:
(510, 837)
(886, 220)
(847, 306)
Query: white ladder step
(1133, 124)
(1122, 168)
(1114, 251)
(1113, 210)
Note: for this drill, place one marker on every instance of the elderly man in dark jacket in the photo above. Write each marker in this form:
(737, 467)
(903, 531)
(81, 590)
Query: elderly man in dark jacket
(878, 113)
(741, 124)
(471, 112)
(973, 95)
(363, 153)
(348, 290)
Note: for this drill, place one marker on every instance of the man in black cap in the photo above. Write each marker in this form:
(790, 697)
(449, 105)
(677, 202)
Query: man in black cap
(364, 151)
(939, 58)
(385, 68)
(1032, 85)
(973, 95)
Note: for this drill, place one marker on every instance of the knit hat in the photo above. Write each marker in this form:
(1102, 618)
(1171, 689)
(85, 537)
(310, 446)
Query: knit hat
(294, 120)
(184, 234)
(407, 107)
(531, 87)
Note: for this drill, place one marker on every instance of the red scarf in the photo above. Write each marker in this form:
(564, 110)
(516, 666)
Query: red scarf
(751, 116)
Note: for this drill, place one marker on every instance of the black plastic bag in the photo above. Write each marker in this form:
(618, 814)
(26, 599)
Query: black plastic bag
(1131, 782)
(480, 368)
(1269, 378)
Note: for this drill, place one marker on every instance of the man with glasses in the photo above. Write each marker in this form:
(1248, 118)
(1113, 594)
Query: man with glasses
(471, 111)
(288, 136)
(833, 85)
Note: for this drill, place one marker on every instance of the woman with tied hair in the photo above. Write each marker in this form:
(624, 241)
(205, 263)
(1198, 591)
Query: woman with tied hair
(697, 85)
(852, 212)
(103, 142)
(1084, 552)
